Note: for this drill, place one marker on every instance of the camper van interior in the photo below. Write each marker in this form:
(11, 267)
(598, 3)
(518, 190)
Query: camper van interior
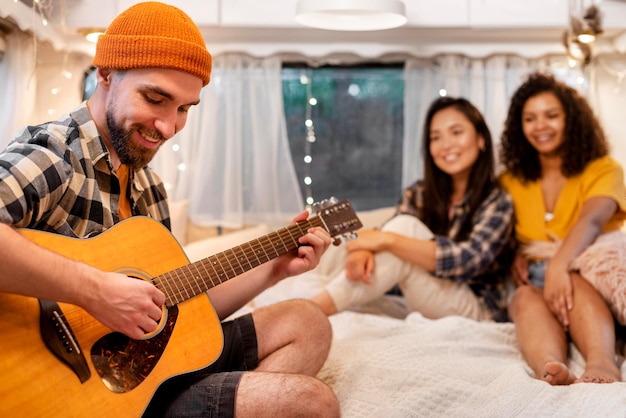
(295, 114)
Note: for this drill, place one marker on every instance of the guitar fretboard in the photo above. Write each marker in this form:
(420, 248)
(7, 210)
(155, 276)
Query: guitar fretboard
(191, 280)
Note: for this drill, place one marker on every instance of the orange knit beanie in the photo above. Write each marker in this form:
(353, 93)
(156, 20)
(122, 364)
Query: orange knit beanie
(154, 35)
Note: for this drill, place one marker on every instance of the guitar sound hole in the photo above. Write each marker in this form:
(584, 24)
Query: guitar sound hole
(123, 363)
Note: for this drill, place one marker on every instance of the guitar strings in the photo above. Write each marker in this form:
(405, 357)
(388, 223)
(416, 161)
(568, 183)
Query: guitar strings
(190, 280)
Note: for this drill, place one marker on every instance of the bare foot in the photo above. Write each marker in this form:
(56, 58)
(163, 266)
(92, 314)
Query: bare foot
(600, 373)
(557, 373)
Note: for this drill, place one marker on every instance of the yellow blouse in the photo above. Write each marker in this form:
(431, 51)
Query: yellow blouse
(602, 177)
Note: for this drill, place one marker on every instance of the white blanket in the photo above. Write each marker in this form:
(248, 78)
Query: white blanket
(452, 367)
(381, 366)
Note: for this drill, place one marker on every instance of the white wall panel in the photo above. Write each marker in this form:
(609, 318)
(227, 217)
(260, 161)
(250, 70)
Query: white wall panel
(519, 13)
(440, 13)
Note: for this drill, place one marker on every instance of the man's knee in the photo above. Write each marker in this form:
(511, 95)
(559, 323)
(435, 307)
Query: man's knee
(275, 394)
(303, 319)
(312, 321)
(312, 398)
(325, 402)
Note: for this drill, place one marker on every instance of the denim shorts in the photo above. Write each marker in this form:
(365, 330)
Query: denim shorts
(211, 391)
(537, 272)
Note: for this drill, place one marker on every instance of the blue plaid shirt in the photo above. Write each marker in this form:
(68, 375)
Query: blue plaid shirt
(481, 261)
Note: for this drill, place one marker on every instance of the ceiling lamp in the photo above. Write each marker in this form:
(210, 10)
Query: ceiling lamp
(579, 37)
(351, 15)
(586, 36)
(91, 34)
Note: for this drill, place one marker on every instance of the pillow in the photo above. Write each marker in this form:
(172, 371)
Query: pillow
(198, 250)
(179, 219)
(376, 217)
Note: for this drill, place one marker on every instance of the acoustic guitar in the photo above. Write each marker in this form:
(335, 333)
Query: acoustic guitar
(59, 361)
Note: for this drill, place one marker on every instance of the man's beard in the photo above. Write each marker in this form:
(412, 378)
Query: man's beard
(134, 156)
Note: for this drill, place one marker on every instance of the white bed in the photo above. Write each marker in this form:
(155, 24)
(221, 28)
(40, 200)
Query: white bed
(393, 366)
(383, 366)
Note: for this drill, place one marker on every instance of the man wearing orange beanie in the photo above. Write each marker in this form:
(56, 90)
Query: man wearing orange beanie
(81, 175)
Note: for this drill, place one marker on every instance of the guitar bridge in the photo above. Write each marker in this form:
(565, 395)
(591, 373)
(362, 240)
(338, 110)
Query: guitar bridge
(58, 337)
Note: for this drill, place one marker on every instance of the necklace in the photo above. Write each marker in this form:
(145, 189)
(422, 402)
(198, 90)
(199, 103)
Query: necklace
(548, 216)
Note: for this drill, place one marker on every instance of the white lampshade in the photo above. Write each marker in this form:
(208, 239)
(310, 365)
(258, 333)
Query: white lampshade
(351, 15)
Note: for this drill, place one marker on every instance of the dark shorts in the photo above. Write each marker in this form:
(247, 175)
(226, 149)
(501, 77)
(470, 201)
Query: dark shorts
(210, 392)
(537, 272)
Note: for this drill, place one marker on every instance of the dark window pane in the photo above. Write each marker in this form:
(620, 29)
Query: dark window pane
(355, 142)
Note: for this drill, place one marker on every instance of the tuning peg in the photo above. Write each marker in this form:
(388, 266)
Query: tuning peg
(324, 204)
(316, 207)
(338, 240)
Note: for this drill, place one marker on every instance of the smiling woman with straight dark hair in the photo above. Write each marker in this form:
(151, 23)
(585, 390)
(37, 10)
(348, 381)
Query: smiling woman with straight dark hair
(447, 247)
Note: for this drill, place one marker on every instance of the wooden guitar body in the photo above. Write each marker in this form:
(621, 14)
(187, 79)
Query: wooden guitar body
(36, 383)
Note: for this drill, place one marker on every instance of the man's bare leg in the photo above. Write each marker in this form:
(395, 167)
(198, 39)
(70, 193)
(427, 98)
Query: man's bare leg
(294, 339)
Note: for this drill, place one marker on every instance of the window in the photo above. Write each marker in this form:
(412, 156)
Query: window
(345, 128)
(89, 82)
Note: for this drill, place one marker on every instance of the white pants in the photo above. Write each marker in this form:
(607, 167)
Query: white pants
(431, 296)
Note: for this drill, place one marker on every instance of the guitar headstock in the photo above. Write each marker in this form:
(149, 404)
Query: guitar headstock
(339, 218)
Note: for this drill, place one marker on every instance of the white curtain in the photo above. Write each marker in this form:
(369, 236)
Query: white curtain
(18, 85)
(607, 94)
(232, 161)
(486, 82)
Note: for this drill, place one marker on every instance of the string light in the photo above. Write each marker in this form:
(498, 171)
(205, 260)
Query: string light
(66, 73)
(354, 90)
(310, 139)
(43, 7)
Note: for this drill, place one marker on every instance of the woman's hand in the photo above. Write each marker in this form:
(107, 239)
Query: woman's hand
(558, 291)
(519, 270)
(359, 266)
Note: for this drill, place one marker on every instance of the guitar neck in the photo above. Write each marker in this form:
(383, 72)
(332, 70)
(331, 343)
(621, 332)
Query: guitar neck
(191, 280)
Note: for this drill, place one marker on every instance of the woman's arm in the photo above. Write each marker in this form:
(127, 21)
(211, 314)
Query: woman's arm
(415, 251)
(460, 260)
(595, 213)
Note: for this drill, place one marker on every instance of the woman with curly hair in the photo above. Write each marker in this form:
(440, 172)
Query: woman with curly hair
(446, 246)
(569, 200)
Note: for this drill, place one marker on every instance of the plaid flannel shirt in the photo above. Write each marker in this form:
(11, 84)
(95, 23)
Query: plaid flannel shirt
(481, 261)
(57, 177)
